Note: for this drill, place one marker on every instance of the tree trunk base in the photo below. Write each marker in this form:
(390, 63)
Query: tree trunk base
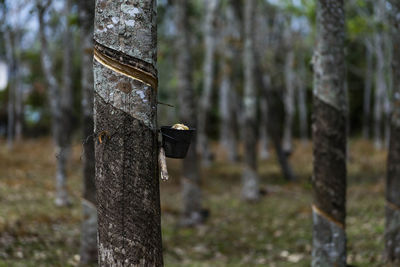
(88, 251)
(329, 243)
(392, 235)
(251, 189)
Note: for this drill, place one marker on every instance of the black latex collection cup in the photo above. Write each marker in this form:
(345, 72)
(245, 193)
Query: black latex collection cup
(176, 142)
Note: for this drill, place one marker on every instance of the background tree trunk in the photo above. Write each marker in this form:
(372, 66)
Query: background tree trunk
(125, 111)
(18, 97)
(380, 83)
(289, 101)
(264, 138)
(329, 136)
(191, 190)
(227, 93)
(250, 179)
(388, 54)
(88, 250)
(301, 87)
(11, 86)
(392, 231)
(66, 103)
(208, 79)
(54, 95)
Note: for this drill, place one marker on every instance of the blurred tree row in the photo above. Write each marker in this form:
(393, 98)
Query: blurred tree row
(239, 71)
(284, 39)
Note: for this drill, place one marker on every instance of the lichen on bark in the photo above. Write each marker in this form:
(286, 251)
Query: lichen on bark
(328, 60)
(128, 26)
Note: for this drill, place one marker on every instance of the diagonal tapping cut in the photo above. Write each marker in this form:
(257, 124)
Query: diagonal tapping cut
(126, 65)
(326, 216)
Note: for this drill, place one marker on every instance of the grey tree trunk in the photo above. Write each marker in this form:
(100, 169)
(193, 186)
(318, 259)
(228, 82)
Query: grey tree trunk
(329, 136)
(387, 107)
(264, 138)
(392, 228)
(227, 93)
(274, 108)
(19, 109)
(208, 78)
(11, 87)
(289, 102)
(60, 135)
(367, 90)
(18, 97)
(191, 191)
(126, 150)
(379, 93)
(65, 104)
(250, 179)
(88, 250)
(302, 100)
(380, 83)
(226, 98)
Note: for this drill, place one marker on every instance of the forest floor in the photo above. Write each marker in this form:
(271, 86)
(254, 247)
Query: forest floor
(276, 231)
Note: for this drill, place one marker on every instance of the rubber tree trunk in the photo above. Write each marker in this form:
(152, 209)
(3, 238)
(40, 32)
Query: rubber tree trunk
(19, 108)
(66, 105)
(88, 250)
(379, 92)
(289, 102)
(57, 116)
(226, 98)
(275, 106)
(191, 191)
(227, 93)
(250, 179)
(329, 136)
(367, 89)
(264, 138)
(387, 104)
(302, 100)
(392, 228)
(126, 147)
(380, 83)
(208, 79)
(19, 118)
(11, 87)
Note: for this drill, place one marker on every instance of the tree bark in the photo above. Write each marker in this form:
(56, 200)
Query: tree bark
(88, 250)
(289, 102)
(273, 95)
(329, 135)
(18, 97)
(65, 104)
(126, 150)
(226, 98)
(302, 101)
(387, 105)
(250, 179)
(264, 138)
(60, 135)
(392, 228)
(11, 87)
(208, 78)
(227, 94)
(191, 190)
(380, 83)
